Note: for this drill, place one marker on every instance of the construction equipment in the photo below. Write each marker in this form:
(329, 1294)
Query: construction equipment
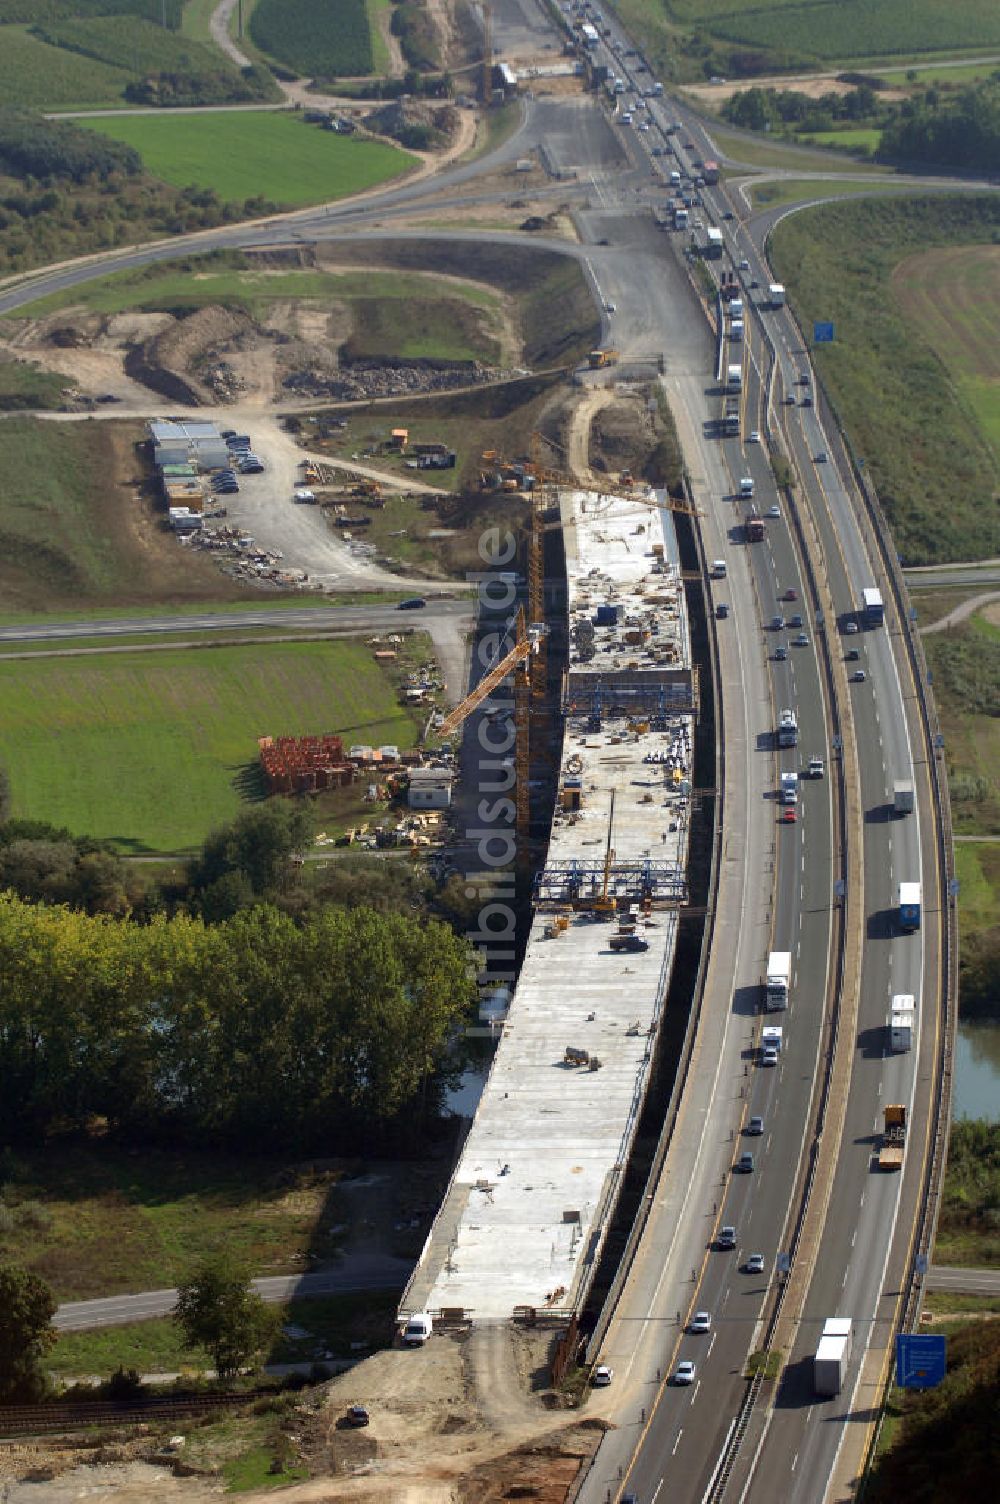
(890, 1156)
(598, 359)
(604, 903)
(526, 643)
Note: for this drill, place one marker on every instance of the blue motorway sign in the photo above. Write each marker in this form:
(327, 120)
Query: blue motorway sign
(822, 334)
(920, 1360)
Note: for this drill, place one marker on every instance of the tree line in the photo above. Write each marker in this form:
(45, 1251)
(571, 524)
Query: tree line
(258, 1031)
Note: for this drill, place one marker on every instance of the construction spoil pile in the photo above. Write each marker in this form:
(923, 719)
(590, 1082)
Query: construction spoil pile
(373, 378)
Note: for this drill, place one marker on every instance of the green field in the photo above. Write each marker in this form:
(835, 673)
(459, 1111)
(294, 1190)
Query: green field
(925, 449)
(151, 750)
(848, 140)
(966, 666)
(99, 1219)
(952, 295)
(251, 154)
(849, 28)
(34, 74)
(314, 36)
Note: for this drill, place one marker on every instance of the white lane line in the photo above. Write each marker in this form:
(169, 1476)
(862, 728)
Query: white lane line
(854, 1237)
(844, 1280)
(673, 1453)
(696, 1388)
(795, 1460)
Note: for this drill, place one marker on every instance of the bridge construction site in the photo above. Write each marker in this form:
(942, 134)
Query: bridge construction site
(532, 1197)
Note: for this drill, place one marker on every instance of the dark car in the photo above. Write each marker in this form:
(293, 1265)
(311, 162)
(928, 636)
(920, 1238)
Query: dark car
(230, 488)
(357, 1415)
(795, 621)
(415, 603)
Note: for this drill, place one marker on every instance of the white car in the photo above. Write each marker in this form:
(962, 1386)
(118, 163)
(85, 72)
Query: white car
(701, 1321)
(774, 511)
(684, 1373)
(611, 307)
(744, 264)
(754, 1264)
(602, 1376)
(753, 437)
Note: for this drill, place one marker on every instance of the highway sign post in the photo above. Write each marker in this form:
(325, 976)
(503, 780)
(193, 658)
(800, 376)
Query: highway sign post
(920, 1360)
(822, 334)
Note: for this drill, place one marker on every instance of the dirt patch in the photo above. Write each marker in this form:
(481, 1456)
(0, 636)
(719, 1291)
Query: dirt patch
(814, 85)
(188, 360)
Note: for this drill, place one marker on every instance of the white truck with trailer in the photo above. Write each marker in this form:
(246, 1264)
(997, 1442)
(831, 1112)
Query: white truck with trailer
(832, 1356)
(788, 729)
(770, 1044)
(902, 1022)
(734, 378)
(777, 981)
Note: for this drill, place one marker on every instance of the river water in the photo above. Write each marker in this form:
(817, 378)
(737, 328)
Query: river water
(977, 1072)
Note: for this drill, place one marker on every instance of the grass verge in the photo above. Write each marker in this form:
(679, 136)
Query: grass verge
(251, 154)
(94, 1218)
(919, 440)
(95, 743)
(805, 190)
(326, 1328)
(965, 662)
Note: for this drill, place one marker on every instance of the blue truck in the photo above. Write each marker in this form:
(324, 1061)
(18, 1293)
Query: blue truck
(909, 907)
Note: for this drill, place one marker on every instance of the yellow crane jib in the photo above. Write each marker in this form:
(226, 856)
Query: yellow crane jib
(489, 682)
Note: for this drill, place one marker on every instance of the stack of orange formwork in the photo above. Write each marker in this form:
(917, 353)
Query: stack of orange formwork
(300, 764)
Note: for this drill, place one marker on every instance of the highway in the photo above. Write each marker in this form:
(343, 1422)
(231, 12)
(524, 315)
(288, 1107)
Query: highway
(797, 1447)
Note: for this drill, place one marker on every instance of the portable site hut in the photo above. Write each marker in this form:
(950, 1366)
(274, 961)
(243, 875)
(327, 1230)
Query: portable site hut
(199, 444)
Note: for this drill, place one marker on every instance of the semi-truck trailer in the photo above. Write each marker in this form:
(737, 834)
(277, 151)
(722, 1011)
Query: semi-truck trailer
(903, 800)
(776, 295)
(890, 1154)
(902, 1021)
(872, 607)
(770, 1039)
(789, 788)
(755, 529)
(788, 729)
(731, 415)
(680, 219)
(909, 906)
(734, 378)
(710, 172)
(777, 980)
(832, 1356)
(713, 244)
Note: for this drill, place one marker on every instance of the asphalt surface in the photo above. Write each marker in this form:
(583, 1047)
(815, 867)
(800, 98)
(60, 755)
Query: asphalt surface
(377, 1272)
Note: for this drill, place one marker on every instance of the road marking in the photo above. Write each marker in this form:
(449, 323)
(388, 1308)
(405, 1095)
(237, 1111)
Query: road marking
(656, 1495)
(711, 1344)
(854, 1236)
(695, 1395)
(795, 1461)
(809, 1414)
(677, 1443)
(844, 1280)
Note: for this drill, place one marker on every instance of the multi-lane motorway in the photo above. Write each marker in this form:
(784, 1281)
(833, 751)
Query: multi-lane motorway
(778, 883)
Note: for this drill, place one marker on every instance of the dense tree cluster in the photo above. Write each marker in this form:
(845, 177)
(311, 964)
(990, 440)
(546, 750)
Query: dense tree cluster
(768, 109)
(28, 12)
(959, 130)
(27, 1306)
(201, 86)
(259, 1030)
(31, 146)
